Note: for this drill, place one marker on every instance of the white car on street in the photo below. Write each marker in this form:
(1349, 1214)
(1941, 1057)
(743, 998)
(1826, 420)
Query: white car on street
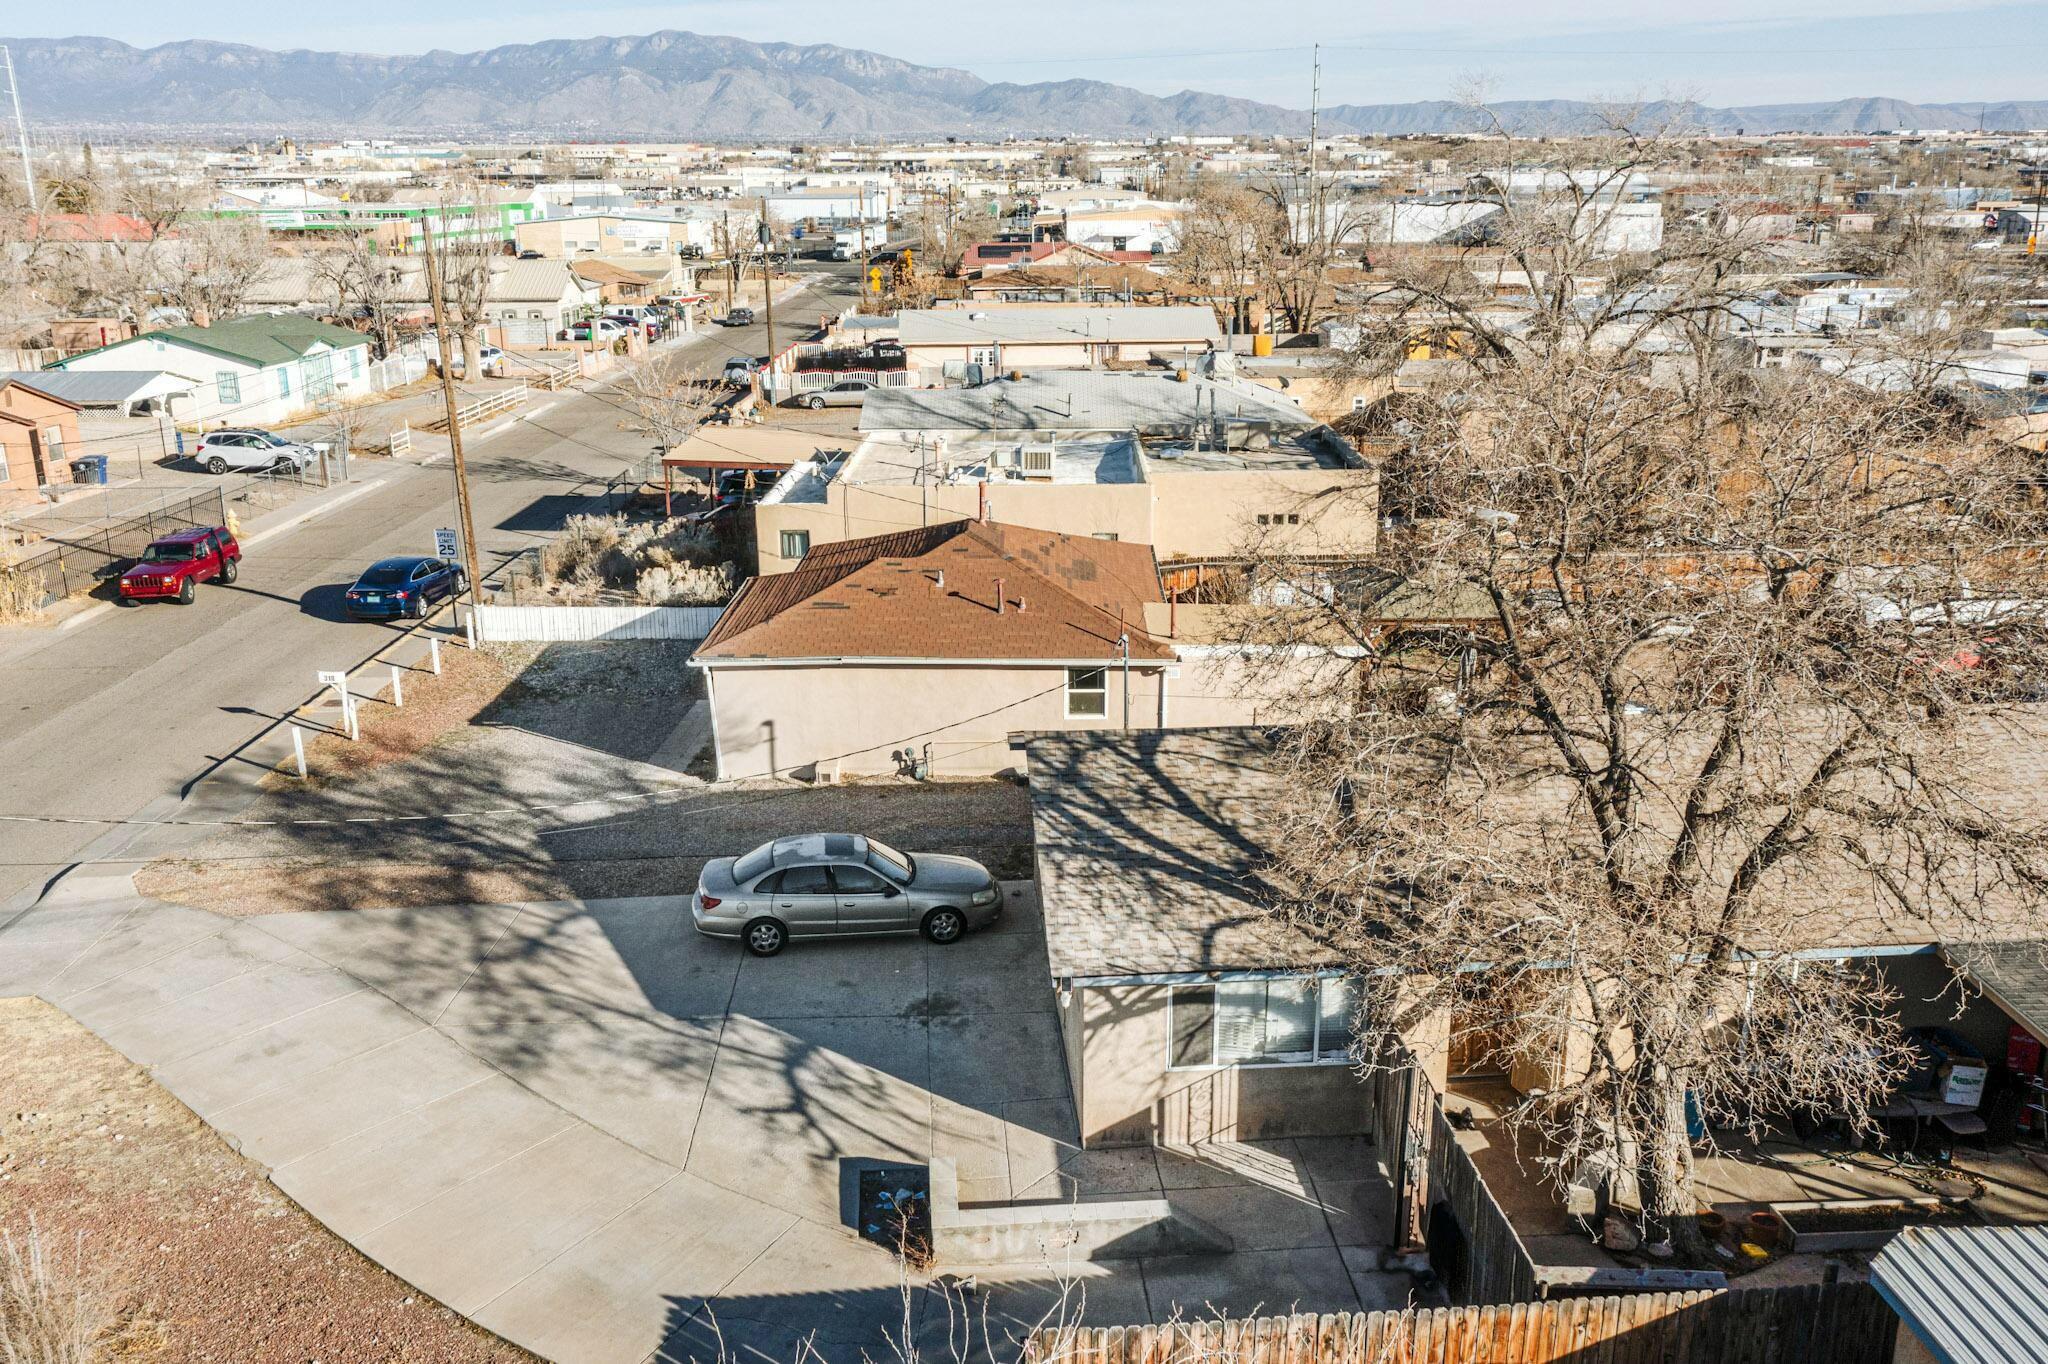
(248, 449)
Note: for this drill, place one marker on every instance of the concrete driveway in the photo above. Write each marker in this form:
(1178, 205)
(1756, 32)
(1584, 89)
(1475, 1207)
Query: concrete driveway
(608, 1139)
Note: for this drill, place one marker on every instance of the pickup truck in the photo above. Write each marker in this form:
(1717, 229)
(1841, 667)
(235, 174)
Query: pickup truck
(174, 565)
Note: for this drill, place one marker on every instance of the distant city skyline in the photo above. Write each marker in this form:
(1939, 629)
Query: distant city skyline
(1729, 52)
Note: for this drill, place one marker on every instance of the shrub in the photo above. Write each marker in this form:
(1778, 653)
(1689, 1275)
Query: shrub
(664, 562)
(50, 1312)
(21, 595)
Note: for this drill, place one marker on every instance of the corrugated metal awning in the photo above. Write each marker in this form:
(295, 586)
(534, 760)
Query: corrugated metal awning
(1973, 1295)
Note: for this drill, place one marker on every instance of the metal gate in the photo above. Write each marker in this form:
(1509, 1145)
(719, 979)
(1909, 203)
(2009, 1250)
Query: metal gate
(525, 331)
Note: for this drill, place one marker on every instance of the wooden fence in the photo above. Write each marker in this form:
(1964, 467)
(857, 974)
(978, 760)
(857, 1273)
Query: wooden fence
(1484, 1259)
(504, 624)
(1842, 1323)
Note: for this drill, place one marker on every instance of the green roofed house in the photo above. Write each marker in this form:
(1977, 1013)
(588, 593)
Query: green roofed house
(247, 371)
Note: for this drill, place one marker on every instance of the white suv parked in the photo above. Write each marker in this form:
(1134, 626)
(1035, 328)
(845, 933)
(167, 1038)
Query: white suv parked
(246, 448)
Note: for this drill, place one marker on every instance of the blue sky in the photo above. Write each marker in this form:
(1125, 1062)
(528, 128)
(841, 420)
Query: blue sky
(1726, 51)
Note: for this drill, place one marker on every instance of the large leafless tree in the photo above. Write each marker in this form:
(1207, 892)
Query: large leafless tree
(1749, 658)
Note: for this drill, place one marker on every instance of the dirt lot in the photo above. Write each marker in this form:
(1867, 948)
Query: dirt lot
(558, 773)
(202, 1259)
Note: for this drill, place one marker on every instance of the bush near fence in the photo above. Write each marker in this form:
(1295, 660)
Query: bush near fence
(1840, 1323)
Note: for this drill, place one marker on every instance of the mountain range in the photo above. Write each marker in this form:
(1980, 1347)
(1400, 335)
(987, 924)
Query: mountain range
(686, 85)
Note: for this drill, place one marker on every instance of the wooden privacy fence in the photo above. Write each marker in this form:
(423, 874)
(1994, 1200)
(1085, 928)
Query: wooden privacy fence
(1842, 1323)
(505, 624)
(1484, 1260)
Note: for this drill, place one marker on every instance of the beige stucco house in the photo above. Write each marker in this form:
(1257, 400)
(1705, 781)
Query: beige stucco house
(1186, 1013)
(939, 343)
(922, 650)
(1196, 468)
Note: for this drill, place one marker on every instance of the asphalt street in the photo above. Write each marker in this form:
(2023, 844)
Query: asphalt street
(123, 712)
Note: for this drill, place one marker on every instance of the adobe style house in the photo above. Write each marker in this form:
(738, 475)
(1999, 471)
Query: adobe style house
(920, 651)
(1198, 468)
(37, 429)
(1187, 1015)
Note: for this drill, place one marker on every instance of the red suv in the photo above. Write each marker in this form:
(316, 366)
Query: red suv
(174, 565)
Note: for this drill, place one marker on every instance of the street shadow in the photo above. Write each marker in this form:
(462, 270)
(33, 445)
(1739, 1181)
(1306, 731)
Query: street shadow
(549, 511)
(328, 601)
(577, 694)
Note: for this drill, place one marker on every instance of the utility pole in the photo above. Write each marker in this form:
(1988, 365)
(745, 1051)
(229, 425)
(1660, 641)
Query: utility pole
(469, 559)
(28, 170)
(767, 281)
(725, 239)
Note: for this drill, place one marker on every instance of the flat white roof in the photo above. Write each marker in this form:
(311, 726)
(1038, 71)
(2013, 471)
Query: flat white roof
(1056, 325)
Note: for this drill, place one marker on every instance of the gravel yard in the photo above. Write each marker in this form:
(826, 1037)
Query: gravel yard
(596, 734)
(198, 1255)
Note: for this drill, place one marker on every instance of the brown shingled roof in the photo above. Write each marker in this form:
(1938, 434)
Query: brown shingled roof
(878, 597)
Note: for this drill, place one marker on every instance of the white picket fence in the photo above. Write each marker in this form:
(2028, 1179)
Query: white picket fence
(554, 624)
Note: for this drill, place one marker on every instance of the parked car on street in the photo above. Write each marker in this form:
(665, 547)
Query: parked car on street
(627, 321)
(846, 393)
(607, 330)
(407, 585)
(247, 448)
(840, 885)
(490, 360)
(741, 369)
(172, 566)
(738, 317)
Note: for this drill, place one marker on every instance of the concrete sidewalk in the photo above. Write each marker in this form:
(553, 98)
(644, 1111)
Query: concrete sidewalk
(656, 1137)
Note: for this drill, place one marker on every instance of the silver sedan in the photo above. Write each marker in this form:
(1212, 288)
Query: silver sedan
(834, 885)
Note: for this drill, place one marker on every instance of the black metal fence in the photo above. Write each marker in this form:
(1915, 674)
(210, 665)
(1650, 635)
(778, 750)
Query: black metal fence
(76, 560)
(75, 556)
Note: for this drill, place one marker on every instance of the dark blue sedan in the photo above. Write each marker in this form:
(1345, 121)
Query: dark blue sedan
(407, 586)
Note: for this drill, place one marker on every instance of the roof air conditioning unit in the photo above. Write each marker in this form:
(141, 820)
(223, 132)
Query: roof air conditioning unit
(1035, 460)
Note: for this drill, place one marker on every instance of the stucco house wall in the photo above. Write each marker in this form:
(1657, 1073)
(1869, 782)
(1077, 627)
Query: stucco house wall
(38, 439)
(1122, 510)
(1126, 1094)
(878, 718)
(1200, 513)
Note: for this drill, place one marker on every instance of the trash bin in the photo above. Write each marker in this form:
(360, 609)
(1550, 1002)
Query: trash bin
(89, 469)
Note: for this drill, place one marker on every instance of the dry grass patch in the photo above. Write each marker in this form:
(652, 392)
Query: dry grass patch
(197, 1255)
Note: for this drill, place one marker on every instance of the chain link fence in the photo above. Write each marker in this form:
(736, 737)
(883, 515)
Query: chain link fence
(75, 556)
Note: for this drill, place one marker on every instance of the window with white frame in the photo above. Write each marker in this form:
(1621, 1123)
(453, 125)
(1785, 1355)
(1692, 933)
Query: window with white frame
(795, 544)
(284, 381)
(1087, 691)
(1293, 1020)
(227, 386)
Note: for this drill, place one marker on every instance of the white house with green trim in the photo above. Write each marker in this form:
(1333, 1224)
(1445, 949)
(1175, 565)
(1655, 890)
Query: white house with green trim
(247, 371)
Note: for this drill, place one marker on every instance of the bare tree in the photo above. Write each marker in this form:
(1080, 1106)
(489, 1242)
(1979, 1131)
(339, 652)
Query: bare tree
(1219, 247)
(129, 270)
(1749, 666)
(1309, 218)
(670, 398)
(219, 260)
(465, 261)
(366, 283)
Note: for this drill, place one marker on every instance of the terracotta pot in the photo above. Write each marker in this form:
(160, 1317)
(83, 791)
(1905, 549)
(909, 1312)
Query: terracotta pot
(1765, 1229)
(1713, 1225)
